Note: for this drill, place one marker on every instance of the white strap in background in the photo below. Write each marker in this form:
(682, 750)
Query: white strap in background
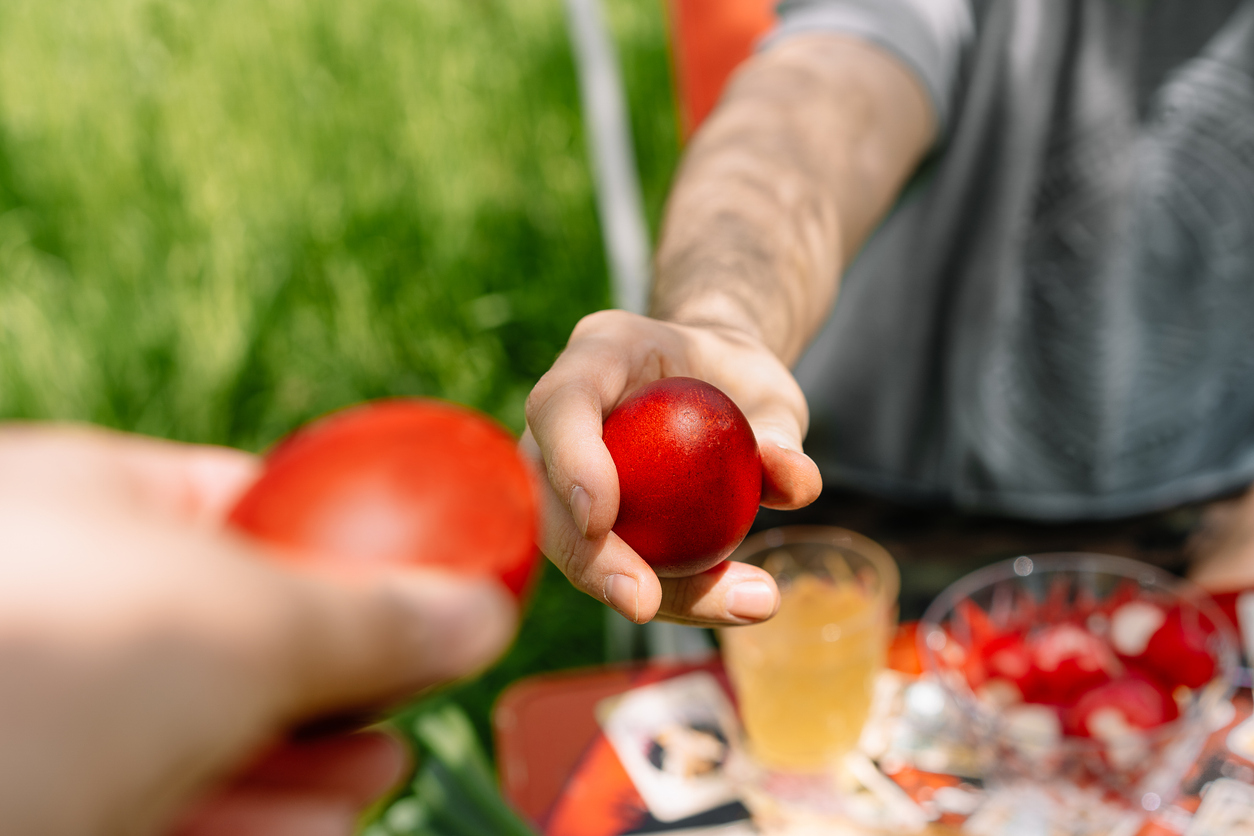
(608, 130)
(625, 231)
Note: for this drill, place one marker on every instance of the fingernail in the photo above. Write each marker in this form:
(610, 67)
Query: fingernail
(321, 818)
(463, 625)
(311, 817)
(272, 813)
(623, 593)
(752, 601)
(581, 508)
(775, 438)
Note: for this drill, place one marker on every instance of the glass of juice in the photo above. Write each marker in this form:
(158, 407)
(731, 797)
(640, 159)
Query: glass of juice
(804, 679)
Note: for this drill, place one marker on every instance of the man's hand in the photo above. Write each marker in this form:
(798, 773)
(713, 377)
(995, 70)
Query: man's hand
(610, 354)
(801, 159)
(1221, 551)
(152, 665)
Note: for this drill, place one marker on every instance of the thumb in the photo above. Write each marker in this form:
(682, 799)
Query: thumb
(370, 641)
(790, 478)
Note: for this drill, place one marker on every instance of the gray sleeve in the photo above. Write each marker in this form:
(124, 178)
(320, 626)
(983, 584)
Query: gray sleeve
(930, 36)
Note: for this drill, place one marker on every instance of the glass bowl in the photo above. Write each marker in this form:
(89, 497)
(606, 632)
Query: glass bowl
(1086, 683)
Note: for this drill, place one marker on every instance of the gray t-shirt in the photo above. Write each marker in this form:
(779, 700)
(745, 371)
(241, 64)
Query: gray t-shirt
(1057, 319)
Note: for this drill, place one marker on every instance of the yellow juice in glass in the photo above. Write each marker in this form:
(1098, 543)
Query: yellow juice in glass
(804, 679)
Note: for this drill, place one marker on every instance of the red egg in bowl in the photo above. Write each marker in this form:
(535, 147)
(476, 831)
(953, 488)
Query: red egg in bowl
(1080, 676)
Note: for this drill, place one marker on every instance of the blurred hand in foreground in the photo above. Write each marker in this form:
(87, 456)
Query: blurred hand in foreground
(610, 354)
(152, 665)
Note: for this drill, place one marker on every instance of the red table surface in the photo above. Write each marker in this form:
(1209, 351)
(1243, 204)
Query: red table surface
(545, 725)
(548, 742)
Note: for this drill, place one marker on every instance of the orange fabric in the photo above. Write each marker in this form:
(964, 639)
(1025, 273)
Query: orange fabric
(599, 800)
(709, 39)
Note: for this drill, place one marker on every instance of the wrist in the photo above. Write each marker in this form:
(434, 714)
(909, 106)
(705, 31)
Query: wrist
(718, 311)
(738, 317)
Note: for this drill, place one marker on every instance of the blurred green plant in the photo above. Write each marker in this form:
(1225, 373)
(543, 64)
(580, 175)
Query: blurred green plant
(453, 792)
(218, 220)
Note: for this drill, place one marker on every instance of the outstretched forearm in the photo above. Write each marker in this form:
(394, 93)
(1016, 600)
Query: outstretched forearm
(805, 154)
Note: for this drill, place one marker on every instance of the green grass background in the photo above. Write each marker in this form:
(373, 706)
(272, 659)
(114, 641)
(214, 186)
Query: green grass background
(221, 219)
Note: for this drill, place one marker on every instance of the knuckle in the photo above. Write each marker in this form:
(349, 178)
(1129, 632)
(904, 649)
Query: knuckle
(541, 403)
(567, 552)
(681, 596)
(597, 322)
(536, 399)
(555, 472)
